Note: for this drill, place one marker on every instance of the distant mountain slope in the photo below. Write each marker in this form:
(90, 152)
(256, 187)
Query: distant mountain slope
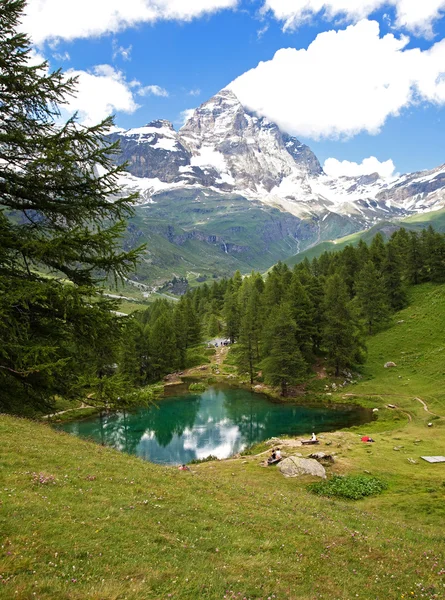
(386, 228)
(225, 165)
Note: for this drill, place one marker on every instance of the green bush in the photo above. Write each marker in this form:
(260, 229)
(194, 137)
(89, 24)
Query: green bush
(197, 387)
(352, 487)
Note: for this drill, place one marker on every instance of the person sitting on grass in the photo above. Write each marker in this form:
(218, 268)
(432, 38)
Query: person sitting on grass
(184, 468)
(313, 437)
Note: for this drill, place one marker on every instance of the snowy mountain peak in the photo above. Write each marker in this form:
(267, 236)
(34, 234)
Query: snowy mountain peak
(225, 147)
(250, 152)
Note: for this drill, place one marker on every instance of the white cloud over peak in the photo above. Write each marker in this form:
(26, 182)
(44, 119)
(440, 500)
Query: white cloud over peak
(337, 168)
(346, 82)
(417, 16)
(186, 115)
(65, 19)
(100, 93)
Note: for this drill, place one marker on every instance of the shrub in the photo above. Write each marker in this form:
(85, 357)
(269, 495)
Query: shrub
(197, 387)
(353, 487)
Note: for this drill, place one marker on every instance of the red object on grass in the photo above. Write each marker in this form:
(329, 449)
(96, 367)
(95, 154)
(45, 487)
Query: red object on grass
(366, 438)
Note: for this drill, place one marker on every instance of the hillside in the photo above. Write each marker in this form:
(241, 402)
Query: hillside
(104, 525)
(414, 223)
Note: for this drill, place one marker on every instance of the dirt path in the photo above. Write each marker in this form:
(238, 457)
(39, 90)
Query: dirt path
(425, 407)
(221, 353)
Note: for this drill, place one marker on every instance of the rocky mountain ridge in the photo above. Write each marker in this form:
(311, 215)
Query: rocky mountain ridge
(230, 190)
(224, 147)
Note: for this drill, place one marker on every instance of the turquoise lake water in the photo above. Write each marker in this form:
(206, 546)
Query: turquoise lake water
(219, 421)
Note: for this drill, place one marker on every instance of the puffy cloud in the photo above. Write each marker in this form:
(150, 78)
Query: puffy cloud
(336, 168)
(100, 93)
(346, 82)
(65, 19)
(415, 15)
(152, 90)
(195, 92)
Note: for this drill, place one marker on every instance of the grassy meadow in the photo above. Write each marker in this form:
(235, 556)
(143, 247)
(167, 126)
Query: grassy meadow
(79, 521)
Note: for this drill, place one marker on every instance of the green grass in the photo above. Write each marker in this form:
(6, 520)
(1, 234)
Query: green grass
(107, 526)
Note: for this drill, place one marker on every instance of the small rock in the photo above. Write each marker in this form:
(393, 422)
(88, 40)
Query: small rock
(400, 322)
(391, 406)
(375, 410)
(430, 424)
(397, 448)
(412, 461)
(388, 365)
(322, 457)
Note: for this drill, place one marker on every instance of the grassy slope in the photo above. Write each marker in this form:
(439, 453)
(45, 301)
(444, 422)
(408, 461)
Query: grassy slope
(113, 526)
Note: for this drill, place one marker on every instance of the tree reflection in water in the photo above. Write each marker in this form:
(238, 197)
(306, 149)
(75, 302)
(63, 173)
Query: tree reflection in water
(220, 421)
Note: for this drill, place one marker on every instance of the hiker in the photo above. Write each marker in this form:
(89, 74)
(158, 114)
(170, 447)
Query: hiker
(184, 468)
(278, 454)
(366, 438)
(313, 437)
(272, 458)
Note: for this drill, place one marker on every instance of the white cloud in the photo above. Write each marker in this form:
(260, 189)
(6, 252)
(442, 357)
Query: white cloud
(195, 92)
(124, 53)
(336, 168)
(65, 19)
(62, 57)
(99, 94)
(152, 90)
(415, 15)
(186, 115)
(346, 82)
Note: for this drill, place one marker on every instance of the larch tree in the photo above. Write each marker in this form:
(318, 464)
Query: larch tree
(284, 365)
(62, 212)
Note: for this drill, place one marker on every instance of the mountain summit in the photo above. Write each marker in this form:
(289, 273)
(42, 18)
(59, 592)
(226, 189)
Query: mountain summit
(228, 149)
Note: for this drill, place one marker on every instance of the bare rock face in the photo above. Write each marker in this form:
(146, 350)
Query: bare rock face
(293, 466)
(249, 151)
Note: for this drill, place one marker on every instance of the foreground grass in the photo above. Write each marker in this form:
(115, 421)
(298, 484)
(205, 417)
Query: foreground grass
(107, 526)
(113, 526)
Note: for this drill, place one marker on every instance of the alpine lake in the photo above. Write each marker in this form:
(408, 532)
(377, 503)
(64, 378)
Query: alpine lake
(220, 421)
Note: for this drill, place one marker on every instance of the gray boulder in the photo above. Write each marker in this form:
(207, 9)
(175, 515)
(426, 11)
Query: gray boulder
(293, 466)
(389, 365)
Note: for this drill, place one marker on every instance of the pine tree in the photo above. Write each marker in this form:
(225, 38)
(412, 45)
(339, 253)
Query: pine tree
(377, 251)
(284, 364)
(341, 333)
(392, 278)
(303, 313)
(61, 214)
(415, 259)
(231, 314)
(371, 297)
(250, 334)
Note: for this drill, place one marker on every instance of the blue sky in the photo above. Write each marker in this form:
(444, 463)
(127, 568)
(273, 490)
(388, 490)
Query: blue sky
(358, 78)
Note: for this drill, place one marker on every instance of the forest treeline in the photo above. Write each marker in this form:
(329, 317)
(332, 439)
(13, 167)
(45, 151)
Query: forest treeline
(63, 214)
(282, 323)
